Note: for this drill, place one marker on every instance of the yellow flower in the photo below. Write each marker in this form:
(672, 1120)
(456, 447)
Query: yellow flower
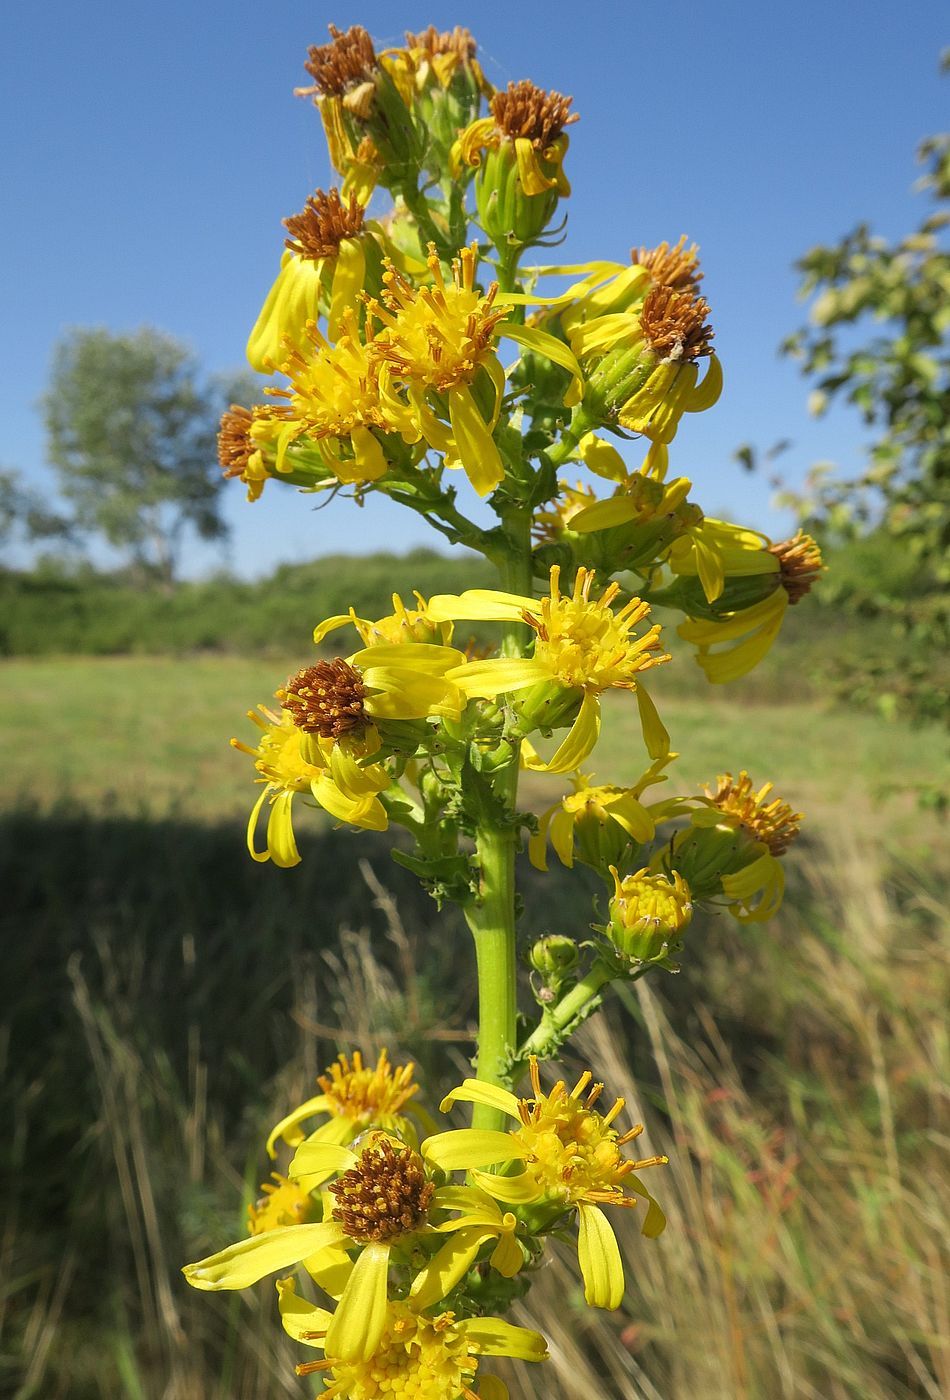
(415, 1357)
(603, 819)
(337, 398)
(641, 363)
(281, 1204)
(341, 786)
(573, 1161)
(732, 847)
(647, 914)
(355, 1097)
(440, 340)
(385, 1201)
(239, 455)
(581, 648)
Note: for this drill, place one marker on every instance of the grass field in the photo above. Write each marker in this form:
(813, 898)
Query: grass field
(164, 1000)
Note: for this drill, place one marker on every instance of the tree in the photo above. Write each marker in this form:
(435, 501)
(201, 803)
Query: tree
(878, 337)
(131, 433)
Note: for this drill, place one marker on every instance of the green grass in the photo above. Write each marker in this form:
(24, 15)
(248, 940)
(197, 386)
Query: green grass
(164, 1000)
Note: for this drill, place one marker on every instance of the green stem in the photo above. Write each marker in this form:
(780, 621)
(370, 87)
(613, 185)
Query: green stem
(547, 1037)
(491, 917)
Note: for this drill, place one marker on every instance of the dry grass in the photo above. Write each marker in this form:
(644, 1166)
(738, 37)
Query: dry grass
(807, 1196)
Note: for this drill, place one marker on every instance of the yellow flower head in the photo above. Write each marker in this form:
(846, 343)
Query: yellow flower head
(771, 578)
(440, 339)
(417, 1357)
(354, 1096)
(572, 1159)
(401, 625)
(641, 359)
(603, 820)
(336, 397)
(774, 823)
(532, 122)
(582, 647)
(583, 643)
(283, 1203)
(289, 762)
(438, 336)
(647, 914)
(442, 53)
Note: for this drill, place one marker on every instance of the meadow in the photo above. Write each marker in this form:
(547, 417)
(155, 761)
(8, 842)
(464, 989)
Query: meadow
(164, 1000)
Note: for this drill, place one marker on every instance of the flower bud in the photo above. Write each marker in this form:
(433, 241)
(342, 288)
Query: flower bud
(647, 915)
(520, 175)
(554, 958)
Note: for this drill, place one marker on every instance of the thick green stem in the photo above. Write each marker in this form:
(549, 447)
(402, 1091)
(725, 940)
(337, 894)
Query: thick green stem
(491, 917)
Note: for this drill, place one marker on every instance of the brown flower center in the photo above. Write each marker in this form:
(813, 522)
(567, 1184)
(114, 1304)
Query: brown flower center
(435, 41)
(235, 444)
(799, 564)
(676, 268)
(348, 61)
(675, 324)
(326, 699)
(385, 1195)
(526, 110)
(324, 222)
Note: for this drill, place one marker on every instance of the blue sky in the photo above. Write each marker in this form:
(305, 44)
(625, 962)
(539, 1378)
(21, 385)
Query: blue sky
(151, 151)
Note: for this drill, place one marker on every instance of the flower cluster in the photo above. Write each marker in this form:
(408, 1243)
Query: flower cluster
(412, 354)
(409, 1257)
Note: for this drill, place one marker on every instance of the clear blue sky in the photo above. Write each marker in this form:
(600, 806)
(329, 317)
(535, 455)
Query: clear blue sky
(150, 151)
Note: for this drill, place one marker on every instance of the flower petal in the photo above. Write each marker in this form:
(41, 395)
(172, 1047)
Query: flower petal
(599, 1256)
(299, 1316)
(313, 1162)
(288, 1128)
(360, 1315)
(450, 1264)
(247, 1261)
(581, 738)
(461, 1149)
(477, 1091)
(492, 1336)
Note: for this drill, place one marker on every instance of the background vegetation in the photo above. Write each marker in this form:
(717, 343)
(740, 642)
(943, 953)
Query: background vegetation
(164, 1000)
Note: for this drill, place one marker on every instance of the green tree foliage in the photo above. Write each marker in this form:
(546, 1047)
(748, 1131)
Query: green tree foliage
(878, 338)
(131, 432)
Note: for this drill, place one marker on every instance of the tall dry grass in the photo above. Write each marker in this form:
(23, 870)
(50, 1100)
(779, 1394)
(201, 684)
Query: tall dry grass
(807, 1191)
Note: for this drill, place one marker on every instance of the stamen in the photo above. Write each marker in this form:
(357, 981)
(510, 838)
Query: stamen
(235, 444)
(528, 111)
(385, 1195)
(346, 62)
(674, 323)
(773, 823)
(326, 699)
(434, 41)
(676, 267)
(324, 222)
(799, 565)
